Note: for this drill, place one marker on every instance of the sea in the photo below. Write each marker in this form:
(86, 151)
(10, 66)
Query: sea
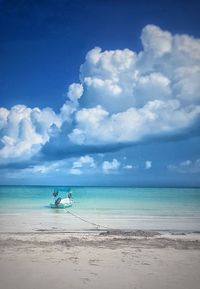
(27, 209)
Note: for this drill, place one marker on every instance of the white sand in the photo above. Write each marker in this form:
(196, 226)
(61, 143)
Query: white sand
(81, 260)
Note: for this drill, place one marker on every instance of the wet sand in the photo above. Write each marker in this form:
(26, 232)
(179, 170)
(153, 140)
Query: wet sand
(113, 259)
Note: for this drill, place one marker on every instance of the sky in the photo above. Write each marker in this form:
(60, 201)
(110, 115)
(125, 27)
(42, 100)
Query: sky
(100, 92)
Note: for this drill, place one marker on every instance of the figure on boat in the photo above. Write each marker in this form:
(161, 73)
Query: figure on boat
(69, 194)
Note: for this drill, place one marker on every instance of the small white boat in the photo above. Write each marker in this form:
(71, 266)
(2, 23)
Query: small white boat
(62, 203)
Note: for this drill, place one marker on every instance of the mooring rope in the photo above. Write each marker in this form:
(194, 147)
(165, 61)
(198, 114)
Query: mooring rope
(86, 221)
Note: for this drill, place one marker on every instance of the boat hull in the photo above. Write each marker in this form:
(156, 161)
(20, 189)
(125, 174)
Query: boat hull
(60, 206)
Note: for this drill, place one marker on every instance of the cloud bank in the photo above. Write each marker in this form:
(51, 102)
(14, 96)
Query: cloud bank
(123, 97)
(186, 167)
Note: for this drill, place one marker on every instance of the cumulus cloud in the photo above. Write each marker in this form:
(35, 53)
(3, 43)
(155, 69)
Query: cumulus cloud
(128, 97)
(120, 79)
(123, 97)
(156, 41)
(154, 119)
(148, 165)
(110, 166)
(67, 111)
(75, 91)
(185, 167)
(24, 131)
(82, 162)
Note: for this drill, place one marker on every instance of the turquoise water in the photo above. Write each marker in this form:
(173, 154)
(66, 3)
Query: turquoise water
(27, 208)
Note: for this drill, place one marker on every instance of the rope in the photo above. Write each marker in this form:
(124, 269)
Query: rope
(86, 221)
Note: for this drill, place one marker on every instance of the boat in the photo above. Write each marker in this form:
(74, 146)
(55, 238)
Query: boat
(61, 203)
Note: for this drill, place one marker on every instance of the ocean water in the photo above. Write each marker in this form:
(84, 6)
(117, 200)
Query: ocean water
(26, 208)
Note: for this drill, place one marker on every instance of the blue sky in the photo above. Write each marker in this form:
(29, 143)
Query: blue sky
(100, 92)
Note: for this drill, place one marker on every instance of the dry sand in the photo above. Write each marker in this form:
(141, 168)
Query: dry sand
(113, 260)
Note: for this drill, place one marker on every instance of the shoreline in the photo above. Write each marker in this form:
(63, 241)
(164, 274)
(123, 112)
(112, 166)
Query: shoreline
(113, 231)
(155, 239)
(39, 221)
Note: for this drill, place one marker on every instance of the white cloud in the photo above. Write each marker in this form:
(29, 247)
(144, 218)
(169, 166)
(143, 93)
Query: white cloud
(67, 111)
(107, 78)
(148, 165)
(185, 167)
(25, 130)
(75, 91)
(89, 125)
(120, 79)
(130, 96)
(84, 162)
(156, 41)
(128, 167)
(156, 118)
(125, 97)
(110, 166)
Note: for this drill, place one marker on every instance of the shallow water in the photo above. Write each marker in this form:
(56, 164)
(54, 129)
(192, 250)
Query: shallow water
(26, 208)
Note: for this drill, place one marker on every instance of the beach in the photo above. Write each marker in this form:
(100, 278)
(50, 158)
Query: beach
(100, 259)
(115, 238)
